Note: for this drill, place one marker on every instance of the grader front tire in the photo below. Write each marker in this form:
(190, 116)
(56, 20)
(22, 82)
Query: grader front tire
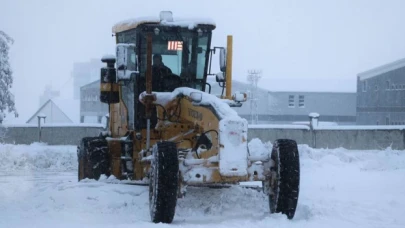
(93, 158)
(285, 179)
(164, 182)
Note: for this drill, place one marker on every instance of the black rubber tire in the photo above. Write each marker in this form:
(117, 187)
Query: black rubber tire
(93, 158)
(164, 182)
(286, 168)
(82, 159)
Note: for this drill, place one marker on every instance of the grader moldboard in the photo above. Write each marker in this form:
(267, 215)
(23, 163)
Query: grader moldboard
(167, 131)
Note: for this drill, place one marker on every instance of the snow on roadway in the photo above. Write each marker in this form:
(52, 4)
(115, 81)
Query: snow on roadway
(339, 188)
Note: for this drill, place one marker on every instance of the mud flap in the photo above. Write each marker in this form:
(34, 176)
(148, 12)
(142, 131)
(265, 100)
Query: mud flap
(233, 152)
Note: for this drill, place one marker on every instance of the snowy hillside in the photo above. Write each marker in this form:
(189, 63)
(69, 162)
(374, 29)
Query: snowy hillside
(339, 188)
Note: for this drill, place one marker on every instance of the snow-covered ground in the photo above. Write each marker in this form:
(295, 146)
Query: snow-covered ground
(339, 188)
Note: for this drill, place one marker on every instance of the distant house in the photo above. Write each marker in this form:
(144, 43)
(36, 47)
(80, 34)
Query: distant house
(281, 107)
(380, 95)
(58, 111)
(295, 106)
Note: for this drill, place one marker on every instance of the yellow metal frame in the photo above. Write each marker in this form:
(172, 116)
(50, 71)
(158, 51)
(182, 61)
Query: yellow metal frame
(228, 71)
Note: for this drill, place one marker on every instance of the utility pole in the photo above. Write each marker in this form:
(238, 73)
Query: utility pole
(40, 116)
(254, 77)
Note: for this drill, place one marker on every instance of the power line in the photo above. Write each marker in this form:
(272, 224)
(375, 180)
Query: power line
(65, 83)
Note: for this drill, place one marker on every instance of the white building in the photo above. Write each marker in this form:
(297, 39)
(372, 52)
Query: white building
(58, 111)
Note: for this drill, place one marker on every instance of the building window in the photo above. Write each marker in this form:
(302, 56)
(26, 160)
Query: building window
(392, 87)
(387, 121)
(364, 86)
(376, 87)
(301, 101)
(387, 83)
(291, 99)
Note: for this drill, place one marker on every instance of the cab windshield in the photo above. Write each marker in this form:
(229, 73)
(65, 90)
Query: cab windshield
(181, 54)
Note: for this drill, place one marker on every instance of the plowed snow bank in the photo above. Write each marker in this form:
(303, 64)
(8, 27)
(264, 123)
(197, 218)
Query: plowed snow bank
(339, 188)
(37, 156)
(40, 156)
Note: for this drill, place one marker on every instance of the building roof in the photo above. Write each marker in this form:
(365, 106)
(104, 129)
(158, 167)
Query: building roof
(91, 84)
(69, 107)
(162, 20)
(382, 69)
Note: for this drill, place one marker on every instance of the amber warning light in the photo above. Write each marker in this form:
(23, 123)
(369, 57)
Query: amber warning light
(175, 45)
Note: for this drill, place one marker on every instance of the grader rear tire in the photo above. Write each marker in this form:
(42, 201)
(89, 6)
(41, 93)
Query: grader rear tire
(164, 182)
(93, 158)
(285, 180)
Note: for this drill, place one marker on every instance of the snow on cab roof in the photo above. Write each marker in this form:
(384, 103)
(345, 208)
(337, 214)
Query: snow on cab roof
(166, 18)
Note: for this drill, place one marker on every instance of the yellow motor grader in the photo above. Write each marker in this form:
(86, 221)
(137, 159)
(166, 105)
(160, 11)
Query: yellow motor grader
(166, 129)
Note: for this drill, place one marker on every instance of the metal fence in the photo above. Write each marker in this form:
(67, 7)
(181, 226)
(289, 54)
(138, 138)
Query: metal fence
(52, 135)
(349, 137)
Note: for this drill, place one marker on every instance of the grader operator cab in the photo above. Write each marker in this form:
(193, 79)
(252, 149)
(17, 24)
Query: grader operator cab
(167, 132)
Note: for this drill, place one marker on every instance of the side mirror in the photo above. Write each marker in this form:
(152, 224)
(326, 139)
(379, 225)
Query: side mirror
(196, 97)
(222, 59)
(108, 93)
(107, 74)
(126, 61)
(239, 97)
(220, 77)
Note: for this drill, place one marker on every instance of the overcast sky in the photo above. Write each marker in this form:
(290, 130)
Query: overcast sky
(305, 45)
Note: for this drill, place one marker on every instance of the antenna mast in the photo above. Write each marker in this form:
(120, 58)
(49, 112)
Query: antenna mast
(254, 77)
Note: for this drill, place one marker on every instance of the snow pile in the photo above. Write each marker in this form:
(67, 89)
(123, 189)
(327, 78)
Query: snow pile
(366, 160)
(37, 156)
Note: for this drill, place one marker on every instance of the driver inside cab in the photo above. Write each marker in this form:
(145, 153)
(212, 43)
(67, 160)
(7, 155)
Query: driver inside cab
(159, 72)
(158, 65)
